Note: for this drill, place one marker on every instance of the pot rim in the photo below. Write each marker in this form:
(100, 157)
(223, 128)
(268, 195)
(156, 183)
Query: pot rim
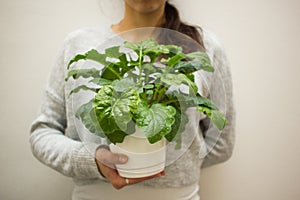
(135, 153)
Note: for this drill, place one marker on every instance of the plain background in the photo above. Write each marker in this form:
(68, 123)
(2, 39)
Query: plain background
(262, 42)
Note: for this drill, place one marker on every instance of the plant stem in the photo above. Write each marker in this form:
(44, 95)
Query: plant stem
(156, 93)
(163, 91)
(140, 66)
(170, 101)
(114, 72)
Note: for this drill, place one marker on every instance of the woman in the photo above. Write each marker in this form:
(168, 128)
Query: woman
(56, 142)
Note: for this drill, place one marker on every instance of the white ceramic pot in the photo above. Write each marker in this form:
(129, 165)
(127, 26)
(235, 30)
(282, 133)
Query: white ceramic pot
(144, 159)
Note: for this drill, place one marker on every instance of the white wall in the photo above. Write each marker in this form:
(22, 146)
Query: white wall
(261, 39)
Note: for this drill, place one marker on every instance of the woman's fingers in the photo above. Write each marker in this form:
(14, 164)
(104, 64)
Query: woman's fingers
(137, 180)
(110, 159)
(112, 176)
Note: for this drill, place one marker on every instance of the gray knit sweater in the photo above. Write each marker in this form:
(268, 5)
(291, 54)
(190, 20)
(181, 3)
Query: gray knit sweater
(58, 142)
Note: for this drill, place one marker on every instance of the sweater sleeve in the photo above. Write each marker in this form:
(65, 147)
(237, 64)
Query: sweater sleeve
(48, 141)
(219, 144)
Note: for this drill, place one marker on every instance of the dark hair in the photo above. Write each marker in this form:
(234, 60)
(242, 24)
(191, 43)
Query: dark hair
(173, 21)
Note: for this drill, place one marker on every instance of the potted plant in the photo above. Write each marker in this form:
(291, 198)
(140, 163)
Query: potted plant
(138, 101)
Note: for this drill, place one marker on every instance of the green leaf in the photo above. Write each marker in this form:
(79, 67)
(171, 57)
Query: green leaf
(187, 67)
(175, 59)
(117, 136)
(84, 73)
(178, 79)
(150, 92)
(135, 46)
(217, 118)
(123, 85)
(114, 109)
(173, 49)
(87, 114)
(149, 86)
(82, 87)
(90, 55)
(203, 105)
(198, 55)
(178, 127)
(111, 72)
(102, 103)
(191, 77)
(155, 51)
(100, 81)
(155, 121)
(149, 68)
(201, 101)
(113, 52)
(203, 59)
(148, 47)
(108, 123)
(123, 106)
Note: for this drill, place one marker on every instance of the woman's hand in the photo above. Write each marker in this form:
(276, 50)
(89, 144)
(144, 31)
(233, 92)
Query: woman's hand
(106, 162)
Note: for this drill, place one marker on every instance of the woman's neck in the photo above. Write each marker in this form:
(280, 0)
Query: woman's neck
(133, 19)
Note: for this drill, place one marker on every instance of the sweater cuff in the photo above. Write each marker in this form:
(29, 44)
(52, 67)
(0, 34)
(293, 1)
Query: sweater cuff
(83, 162)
